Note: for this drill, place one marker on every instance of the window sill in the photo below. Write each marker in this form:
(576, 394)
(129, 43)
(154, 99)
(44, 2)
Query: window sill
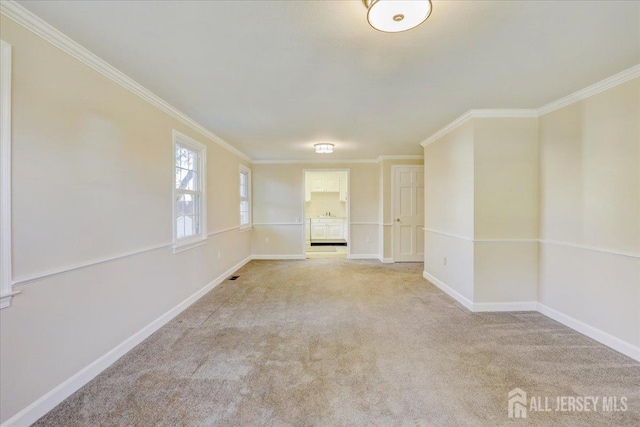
(181, 247)
(244, 228)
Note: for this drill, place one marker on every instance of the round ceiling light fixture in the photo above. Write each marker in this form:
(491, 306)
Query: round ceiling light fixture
(394, 16)
(324, 148)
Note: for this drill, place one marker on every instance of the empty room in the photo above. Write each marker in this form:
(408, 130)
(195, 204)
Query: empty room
(319, 213)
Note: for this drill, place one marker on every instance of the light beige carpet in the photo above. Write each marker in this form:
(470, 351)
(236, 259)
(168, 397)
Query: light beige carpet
(321, 249)
(348, 343)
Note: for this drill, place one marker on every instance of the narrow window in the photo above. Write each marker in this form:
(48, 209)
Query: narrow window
(245, 197)
(189, 195)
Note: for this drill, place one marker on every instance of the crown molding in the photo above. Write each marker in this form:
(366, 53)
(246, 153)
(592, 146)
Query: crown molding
(31, 22)
(401, 157)
(337, 161)
(472, 114)
(608, 83)
(311, 161)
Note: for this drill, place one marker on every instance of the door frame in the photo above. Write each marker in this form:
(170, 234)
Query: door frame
(304, 206)
(393, 214)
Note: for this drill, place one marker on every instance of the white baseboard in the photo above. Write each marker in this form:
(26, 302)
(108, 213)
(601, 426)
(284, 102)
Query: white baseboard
(277, 257)
(449, 291)
(386, 260)
(605, 338)
(50, 400)
(480, 307)
(363, 256)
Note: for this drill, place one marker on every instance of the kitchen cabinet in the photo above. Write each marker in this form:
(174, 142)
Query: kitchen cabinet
(318, 185)
(328, 228)
(343, 188)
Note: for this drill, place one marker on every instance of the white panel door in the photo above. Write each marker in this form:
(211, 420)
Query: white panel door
(408, 213)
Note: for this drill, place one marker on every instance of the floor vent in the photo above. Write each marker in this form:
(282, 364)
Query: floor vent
(233, 277)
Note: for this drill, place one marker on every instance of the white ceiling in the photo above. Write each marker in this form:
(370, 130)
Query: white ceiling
(274, 77)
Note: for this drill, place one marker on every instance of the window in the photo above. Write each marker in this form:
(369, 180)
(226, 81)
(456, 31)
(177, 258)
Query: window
(6, 291)
(189, 195)
(245, 197)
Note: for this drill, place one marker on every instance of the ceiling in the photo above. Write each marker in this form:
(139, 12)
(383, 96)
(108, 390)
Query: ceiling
(274, 77)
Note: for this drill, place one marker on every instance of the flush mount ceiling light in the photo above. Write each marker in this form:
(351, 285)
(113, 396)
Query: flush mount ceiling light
(324, 148)
(393, 16)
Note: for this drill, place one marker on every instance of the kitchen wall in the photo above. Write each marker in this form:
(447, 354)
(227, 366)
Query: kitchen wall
(278, 200)
(590, 211)
(322, 203)
(92, 203)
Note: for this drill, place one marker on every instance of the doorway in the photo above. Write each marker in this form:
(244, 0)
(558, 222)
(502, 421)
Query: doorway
(407, 195)
(326, 213)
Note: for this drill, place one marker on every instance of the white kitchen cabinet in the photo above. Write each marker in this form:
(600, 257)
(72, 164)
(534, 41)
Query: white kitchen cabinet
(318, 185)
(332, 184)
(334, 231)
(343, 189)
(328, 228)
(318, 231)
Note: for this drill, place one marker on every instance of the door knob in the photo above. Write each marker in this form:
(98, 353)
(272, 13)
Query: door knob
(397, 219)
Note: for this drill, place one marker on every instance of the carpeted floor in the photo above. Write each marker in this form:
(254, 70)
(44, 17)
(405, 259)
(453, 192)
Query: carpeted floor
(349, 343)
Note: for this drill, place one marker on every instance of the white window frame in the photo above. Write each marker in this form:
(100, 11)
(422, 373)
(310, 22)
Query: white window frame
(6, 284)
(189, 242)
(247, 171)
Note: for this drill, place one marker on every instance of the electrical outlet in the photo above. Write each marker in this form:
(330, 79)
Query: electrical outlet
(367, 239)
(219, 254)
(444, 261)
(266, 240)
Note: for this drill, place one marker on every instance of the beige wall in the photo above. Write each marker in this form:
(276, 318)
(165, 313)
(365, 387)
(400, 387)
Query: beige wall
(590, 210)
(505, 210)
(448, 167)
(278, 200)
(92, 177)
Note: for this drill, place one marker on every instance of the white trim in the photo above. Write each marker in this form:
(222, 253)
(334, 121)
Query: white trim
(48, 401)
(66, 269)
(390, 224)
(472, 114)
(311, 161)
(483, 307)
(591, 248)
(246, 170)
(36, 25)
(214, 233)
(364, 256)
(449, 291)
(456, 236)
(365, 223)
(6, 291)
(608, 83)
(401, 157)
(505, 240)
(199, 239)
(61, 270)
(599, 335)
(386, 260)
(277, 257)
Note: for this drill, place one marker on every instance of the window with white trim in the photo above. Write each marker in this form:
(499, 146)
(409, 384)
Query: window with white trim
(189, 193)
(245, 197)
(6, 291)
